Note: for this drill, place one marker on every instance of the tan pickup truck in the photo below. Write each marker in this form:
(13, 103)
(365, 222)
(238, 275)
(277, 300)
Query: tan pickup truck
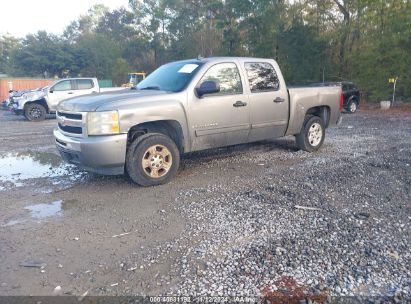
(187, 106)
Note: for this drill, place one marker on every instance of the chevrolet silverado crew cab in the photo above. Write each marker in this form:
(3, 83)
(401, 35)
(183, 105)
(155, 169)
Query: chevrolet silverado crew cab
(35, 104)
(187, 106)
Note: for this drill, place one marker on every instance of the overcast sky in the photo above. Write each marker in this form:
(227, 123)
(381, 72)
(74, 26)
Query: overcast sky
(21, 17)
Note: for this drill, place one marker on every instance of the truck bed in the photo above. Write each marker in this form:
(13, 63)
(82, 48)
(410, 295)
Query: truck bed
(304, 97)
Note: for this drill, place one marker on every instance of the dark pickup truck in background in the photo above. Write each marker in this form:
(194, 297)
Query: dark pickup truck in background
(351, 96)
(350, 92)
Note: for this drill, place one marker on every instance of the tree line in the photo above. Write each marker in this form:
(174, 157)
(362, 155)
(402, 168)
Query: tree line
(364, 41)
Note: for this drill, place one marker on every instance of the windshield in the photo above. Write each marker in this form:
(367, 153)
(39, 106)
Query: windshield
(172, 77)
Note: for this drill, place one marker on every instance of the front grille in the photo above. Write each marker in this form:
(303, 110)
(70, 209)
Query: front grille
(70, 129)
(74, 116)
(70, 122)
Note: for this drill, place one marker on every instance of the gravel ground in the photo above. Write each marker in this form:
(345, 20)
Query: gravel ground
(251, 235)
(259, 220)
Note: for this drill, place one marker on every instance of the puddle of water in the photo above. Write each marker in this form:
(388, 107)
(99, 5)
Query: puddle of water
(16, 167)
(40, 211)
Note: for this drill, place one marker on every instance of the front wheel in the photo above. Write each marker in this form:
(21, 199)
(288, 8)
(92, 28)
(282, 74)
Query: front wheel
(35, 112)
(152, 159)
(312, 134)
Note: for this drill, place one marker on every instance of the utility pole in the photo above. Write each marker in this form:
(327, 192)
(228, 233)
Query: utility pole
(323, 73)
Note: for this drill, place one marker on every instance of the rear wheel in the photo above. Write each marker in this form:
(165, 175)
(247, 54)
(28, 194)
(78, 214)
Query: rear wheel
(312, 134)
(352, 106)
(35, 112)
(152, 159)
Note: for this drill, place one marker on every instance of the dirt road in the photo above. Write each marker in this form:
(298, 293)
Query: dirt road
(234, 221)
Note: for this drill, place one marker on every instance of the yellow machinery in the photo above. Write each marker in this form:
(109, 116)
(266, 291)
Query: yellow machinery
(134, 79)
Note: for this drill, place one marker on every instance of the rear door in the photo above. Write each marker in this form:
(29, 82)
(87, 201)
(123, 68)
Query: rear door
(83, 87)
(220, 119)
(269, 105)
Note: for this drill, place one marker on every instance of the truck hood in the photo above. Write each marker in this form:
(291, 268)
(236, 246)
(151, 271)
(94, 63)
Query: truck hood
(91, 102)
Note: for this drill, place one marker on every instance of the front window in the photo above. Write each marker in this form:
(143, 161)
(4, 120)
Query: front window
(227, 75)
(64, 85)
(172, 77)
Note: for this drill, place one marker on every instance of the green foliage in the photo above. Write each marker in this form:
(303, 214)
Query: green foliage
(364, 41)
(42, 55)
(96, 55)
(120, 71)
(8, 45)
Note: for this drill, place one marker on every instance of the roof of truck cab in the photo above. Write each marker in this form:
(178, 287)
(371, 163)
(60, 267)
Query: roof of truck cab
(222, 58)
(233, 58)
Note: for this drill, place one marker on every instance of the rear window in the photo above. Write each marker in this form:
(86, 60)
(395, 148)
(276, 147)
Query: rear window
(262, 77)
(84, 84)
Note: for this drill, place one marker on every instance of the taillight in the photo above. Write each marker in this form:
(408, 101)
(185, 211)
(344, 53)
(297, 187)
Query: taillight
(341, 101)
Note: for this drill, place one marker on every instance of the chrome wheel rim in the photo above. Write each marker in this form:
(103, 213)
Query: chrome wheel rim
(353, 107)
(35, 112)
(157, 161)
(315, 134)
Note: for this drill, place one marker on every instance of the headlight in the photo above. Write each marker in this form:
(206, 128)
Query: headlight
(17, 100)
(32, 96)
(103, 123)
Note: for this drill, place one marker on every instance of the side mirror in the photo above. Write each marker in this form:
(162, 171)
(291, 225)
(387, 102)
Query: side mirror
(208, 87)
(51, 90)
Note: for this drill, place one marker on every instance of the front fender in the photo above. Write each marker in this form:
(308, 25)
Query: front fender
(20, 102)
(166, 110)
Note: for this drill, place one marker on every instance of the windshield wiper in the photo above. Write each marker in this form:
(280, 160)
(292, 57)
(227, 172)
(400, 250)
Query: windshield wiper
(151, 88)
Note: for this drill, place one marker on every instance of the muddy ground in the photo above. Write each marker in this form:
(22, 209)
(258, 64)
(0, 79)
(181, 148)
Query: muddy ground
(228, 224)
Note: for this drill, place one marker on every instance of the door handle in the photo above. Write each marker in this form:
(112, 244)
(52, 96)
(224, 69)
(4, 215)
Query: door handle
(279, 99)
(70, 93)
(239, 103)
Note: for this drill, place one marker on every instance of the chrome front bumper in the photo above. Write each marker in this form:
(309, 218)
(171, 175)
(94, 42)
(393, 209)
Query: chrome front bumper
(99, 154)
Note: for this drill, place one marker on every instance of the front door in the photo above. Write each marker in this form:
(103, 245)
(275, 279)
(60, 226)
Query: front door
(269, 105)
(58, 92)
(220, 119)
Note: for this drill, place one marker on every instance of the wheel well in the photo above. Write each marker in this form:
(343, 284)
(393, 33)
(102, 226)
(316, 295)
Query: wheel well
(322, 111)
(42, 102)
(170, 128)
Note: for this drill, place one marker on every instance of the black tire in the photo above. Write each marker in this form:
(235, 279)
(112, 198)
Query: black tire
(139, 149)
(310, 126)
(35, 112)
(352, 106)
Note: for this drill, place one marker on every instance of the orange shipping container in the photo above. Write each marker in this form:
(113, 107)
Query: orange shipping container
(21, 84)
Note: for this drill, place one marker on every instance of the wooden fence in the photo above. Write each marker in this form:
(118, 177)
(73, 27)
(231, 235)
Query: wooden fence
(21, 84)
